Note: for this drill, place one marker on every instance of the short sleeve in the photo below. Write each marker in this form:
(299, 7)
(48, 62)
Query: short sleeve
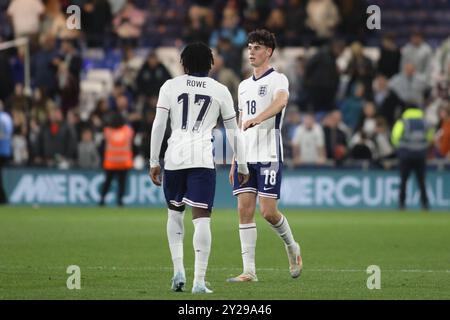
(163, 98)
(281, 83)
(226, 105)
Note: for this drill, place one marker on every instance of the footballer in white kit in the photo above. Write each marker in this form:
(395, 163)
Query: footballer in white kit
(193, 102)
(262, 101)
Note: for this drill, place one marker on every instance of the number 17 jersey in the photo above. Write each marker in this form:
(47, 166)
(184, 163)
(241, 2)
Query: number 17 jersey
(194, 105)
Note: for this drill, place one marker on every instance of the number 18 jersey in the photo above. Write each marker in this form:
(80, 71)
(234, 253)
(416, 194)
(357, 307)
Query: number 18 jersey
(263, 142)
(194, 105)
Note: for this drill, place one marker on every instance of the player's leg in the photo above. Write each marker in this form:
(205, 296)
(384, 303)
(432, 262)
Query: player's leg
(269, 185)
(201, 186)
(106, 185)
(201, 240)
(280, 225)
(122, 180)
(247, 227)
(405, 170)
(174, 190)
(420, 168)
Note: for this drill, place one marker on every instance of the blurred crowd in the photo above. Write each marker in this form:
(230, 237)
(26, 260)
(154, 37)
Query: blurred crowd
(337, 113)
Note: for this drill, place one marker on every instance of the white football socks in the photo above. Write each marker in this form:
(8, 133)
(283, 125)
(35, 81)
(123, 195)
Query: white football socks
(284, 231)
(175, 235)
(248, 235)
(202, 247)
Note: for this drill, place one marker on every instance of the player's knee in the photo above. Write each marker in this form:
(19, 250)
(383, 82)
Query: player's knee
(269, 214)
(246, 211)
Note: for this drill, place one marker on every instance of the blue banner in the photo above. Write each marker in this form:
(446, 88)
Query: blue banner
(323, 189)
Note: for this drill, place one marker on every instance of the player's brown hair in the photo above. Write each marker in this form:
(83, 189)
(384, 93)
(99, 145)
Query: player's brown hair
(264, 37)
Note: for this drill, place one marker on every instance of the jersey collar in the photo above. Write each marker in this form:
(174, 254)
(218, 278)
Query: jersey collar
(198, 74)
(264, 74)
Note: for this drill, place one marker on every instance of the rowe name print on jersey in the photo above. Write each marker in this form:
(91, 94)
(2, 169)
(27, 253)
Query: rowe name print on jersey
(194, 104)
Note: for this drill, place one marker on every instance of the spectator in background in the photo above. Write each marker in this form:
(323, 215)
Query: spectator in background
(231, 56)
(19, 138)
(54, 23)
(295, 15)
(323, 18)
(442, 98)
(200, 24)
(384, 149)
(128, 24)
(6, 77)
(88, 156)
(361, 147)
(409, 85)
(69, 64)
(43, 69)
(151, 77)
(335, 137)
(6, 131)
(418, 53)
(276, 23)
(26, 16)
(57, 142)
(96, 21)
(291, 123)
(225, 76)
(367, 121)
(118, 156)
(352, 106)
(353, 19)
(322, 77)
(389, 62)
(308, 142)
(230, 29)
(443, 136)
(360, 69)
(128, 69)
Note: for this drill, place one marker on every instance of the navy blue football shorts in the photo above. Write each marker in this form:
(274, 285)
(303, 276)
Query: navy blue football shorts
(194, 186)
(265, 179)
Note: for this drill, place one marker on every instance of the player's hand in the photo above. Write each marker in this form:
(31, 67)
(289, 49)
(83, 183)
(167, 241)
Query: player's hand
(155, 175)
(231, 175)
(251, 123)
(243, 178)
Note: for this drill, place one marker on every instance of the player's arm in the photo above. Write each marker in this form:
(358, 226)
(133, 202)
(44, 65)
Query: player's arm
(158, 130)
(234, 136)
(280, 101)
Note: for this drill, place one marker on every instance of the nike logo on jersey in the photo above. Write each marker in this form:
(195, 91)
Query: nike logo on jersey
(265, 189)
(240, 93)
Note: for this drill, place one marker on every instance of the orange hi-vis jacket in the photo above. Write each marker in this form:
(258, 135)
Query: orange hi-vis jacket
(118, 148)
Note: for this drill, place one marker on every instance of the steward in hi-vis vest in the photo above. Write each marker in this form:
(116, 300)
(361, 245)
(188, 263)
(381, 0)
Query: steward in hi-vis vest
(411, 137)
(118, 156)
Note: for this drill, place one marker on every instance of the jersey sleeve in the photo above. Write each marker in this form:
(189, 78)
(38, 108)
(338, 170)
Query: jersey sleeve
(281, 83)
(240, 102)
(226, 106)
(163, 99)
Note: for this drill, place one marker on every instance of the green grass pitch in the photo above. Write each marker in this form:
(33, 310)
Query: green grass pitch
(123, 254)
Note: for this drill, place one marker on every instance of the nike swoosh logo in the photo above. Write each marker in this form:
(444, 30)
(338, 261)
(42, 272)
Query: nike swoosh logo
(240, 93)
(265, 189)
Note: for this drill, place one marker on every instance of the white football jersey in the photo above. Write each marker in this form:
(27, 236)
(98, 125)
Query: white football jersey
(194, 105)
(263, 142)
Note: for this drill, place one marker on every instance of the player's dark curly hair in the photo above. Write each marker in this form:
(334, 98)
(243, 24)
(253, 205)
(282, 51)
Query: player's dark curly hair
(197, 57)
(264, 37)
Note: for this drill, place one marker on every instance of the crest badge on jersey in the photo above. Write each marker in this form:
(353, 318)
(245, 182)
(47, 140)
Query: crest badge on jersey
(262, 90)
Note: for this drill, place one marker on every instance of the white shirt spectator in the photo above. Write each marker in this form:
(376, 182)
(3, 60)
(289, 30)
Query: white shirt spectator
(25, 16)
(310, 142)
